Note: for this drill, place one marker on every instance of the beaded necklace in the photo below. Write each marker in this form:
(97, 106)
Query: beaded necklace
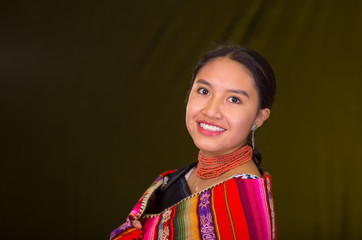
(211, 167)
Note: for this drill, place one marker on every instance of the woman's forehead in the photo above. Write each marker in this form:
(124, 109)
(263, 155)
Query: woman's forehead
(226, 72)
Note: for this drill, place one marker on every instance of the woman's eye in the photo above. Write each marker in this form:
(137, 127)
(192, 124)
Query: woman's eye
(203, 91)
(234, 100)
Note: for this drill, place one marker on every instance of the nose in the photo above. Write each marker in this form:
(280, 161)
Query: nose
(212, 109)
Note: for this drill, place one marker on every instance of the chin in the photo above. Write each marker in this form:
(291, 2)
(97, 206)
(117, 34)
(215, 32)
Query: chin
(210, 148)
(217, 148)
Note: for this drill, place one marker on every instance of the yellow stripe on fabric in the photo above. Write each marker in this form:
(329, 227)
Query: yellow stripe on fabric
(186, 225)
(193, 227)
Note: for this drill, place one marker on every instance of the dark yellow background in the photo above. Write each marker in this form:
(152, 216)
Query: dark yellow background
(92, 102)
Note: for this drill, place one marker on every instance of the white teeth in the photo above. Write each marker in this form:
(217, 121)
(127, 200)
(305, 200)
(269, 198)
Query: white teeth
(211, 128)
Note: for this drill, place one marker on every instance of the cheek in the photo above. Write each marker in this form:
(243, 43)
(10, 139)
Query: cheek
(242, 122)
(192, 109)
(189, 115)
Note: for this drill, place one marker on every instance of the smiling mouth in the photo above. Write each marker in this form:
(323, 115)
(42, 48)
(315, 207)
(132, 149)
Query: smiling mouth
(211, 128)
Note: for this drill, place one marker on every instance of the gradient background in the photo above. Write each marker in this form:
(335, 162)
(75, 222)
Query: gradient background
(92, 102)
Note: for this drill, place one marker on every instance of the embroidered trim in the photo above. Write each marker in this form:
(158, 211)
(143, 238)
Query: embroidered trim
(198, 193)
(147, 196)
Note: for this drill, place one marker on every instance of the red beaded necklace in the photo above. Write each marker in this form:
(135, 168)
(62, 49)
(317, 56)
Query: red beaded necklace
(215, 166)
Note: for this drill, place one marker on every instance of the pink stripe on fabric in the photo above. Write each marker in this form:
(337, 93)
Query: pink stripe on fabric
(151, 225)
(264, 222)
(256, 207)
(136, 209)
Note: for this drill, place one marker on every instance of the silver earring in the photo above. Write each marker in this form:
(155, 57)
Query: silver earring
(252, 136)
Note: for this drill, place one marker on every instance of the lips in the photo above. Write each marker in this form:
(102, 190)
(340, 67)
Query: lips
(210, 129)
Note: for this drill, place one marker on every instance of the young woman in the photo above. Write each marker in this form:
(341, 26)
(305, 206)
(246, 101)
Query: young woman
(226, 194)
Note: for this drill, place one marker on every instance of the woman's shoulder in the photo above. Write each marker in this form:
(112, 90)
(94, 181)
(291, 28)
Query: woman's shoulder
(245, 176)
(250, 176)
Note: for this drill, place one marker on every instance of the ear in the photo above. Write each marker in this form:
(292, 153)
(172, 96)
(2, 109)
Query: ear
(262, 116)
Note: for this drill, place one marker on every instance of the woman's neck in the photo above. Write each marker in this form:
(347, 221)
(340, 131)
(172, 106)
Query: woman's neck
(211, 167)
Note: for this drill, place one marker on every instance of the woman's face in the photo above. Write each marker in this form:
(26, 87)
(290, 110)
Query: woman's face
(223, 107)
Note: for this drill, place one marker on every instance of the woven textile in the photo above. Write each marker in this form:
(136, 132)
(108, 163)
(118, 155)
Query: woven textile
(238, 208)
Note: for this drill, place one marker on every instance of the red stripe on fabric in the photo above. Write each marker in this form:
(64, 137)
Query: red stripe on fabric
(166, 173)
(232, 226)
(236, 209)
(221, 213)
(171, 223)
(124, 234)
(155, 235)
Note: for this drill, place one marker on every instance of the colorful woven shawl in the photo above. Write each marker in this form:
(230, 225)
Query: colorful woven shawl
(237, 208)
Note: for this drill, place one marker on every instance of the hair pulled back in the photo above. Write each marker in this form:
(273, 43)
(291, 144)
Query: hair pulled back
(259, 68)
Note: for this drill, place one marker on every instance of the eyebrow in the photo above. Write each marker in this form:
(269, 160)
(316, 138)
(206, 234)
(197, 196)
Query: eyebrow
(241, 92)
(204, 82)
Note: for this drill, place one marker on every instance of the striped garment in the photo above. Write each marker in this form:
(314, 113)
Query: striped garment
(238, 208)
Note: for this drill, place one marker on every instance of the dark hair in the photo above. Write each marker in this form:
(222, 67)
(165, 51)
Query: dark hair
(259, 68)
